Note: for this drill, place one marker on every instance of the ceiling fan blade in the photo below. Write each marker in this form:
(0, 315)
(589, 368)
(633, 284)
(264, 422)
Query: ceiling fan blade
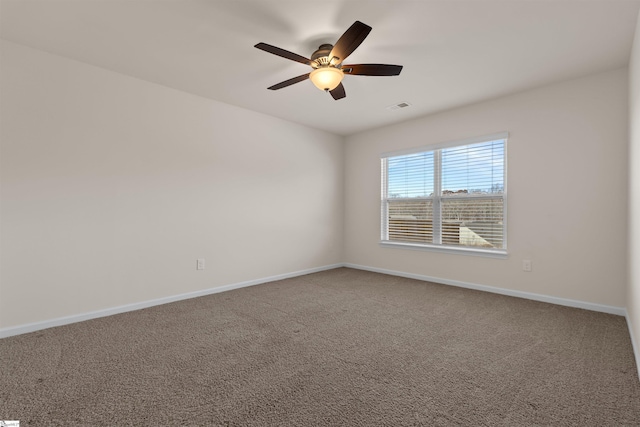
(338, 92)
(372, 69)
(349, 41)
(290, 82)
(283, 53)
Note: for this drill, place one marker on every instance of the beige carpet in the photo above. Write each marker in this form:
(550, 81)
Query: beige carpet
(341, 347)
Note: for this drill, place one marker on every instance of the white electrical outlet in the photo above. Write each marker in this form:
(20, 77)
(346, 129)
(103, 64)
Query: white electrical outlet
(526, 265)
(200, 264)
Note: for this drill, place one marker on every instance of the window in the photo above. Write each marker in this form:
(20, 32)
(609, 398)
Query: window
(449, 198)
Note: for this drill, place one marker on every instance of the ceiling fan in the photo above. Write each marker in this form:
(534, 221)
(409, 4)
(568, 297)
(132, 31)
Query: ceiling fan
(326, 62)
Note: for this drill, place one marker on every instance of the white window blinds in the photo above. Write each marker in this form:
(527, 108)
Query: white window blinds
(452, 196)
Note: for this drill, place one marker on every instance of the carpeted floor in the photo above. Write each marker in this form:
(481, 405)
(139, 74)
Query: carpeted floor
(340, 347)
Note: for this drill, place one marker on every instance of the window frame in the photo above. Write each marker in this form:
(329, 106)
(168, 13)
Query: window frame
(437, 199)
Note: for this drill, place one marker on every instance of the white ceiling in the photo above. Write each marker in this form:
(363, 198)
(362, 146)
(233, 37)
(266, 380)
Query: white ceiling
(454, 52)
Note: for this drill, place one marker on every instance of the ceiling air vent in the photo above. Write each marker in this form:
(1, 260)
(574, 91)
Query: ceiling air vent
(398, 106)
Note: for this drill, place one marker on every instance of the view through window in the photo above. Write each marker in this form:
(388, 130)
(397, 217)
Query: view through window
(451, 196)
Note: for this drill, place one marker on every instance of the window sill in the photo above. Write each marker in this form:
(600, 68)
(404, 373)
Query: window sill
(495, 253)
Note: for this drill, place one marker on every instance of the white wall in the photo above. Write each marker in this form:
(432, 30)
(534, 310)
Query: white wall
(112, 187)
(633, 290)
(567, 191)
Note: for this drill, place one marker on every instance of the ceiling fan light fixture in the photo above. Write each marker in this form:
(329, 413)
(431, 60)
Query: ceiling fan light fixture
(326, 78)
(327, 60)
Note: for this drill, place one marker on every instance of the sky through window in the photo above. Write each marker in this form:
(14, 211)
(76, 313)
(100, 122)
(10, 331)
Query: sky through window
(473, 168)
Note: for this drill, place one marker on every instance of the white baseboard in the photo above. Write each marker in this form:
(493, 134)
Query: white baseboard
(36, 326)
(620, 311)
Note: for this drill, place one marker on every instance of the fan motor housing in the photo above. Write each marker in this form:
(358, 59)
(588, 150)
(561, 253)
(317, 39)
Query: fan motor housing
(321, 56)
